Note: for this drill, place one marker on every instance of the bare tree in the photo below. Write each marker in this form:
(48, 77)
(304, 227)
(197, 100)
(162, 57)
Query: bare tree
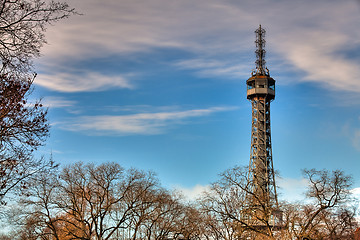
(22, 27)
(230, 212)
(23, 124)
(90, 196)
(93, 202)
(156, 217)
(330, 215)
(190, 223)
(165, 215)
(85, 201)
(108, 202)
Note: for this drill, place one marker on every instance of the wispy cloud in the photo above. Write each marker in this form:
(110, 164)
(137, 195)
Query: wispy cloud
(89, 81)
(351, 131)
(314, 44)
(122, 27)
(137, 124)
(317, 54)
(292, 189)
(215, 68)
(57, 102)
(192, 193)
(356, 139)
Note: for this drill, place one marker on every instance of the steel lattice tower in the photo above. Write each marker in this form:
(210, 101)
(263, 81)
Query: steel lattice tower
(261, 92)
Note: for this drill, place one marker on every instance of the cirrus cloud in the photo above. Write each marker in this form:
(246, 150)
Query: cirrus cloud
(57, 102)
(311, 37)
(136, 124)
(89, 81)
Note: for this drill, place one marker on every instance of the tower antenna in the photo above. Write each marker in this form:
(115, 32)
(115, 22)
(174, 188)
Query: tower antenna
(260, 51)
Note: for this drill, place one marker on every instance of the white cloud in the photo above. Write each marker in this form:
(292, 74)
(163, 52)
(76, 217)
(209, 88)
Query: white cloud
(292, 189)
(192, 193)
(356, 192)
(141, 123)
(312, 36)
(57, 102)
(315, 53)
(356, 139)
(206, 68)
(352, 132)
(90, 81)
(113, 26)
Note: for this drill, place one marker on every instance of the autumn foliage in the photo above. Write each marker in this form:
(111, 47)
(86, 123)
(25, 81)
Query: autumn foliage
(23, 128)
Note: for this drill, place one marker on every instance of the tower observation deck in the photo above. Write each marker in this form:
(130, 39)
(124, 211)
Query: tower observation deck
(261, 92)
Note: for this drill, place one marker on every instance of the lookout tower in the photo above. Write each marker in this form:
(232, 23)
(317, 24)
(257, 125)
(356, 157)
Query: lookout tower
(261, 92)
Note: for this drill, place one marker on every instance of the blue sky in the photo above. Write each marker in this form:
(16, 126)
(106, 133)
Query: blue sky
(160, 85)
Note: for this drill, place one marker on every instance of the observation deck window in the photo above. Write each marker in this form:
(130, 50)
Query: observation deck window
(250, 86)
(272, 86)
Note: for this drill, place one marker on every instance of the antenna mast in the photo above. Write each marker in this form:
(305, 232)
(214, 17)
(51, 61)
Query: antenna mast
(260, 52)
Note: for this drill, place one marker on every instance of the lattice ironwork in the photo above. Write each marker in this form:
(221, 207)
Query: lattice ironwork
(261, 91)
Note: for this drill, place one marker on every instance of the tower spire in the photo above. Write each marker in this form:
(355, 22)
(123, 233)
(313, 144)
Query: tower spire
(260, 51)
